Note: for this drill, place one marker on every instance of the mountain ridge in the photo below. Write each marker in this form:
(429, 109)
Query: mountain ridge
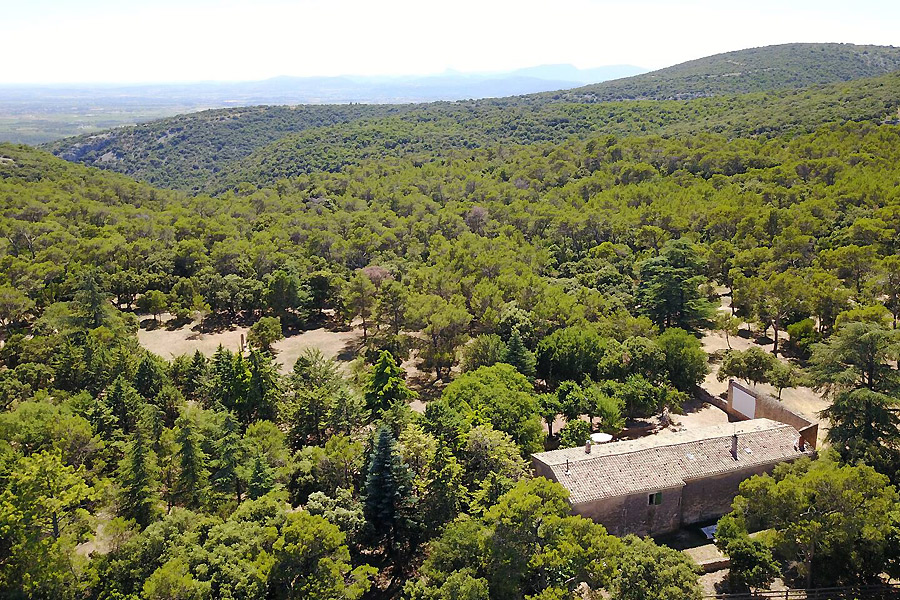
(202, 151)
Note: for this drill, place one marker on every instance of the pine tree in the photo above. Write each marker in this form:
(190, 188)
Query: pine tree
(124, 402)
(198, 374)
(386, 384)
(231, 452)
(346, 412)
(381, 489)
(137, 475)
(91, 302)
(149, 379)
(102, 419)
(230, 381)
(390, 501)
(519, 356)
(263, 389)
(262, 477)
(192, 476)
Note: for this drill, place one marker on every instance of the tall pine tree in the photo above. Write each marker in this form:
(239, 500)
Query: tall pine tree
(444, 490)
(195, 385)
(262, 477)
(263, 389)
(124, 402)
(149, 379)
(137, 476)
(230, 380)
(229, 476)
(390, 499)
(190, 487)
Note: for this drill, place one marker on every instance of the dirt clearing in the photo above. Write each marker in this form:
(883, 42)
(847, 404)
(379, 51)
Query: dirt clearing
(169, 343)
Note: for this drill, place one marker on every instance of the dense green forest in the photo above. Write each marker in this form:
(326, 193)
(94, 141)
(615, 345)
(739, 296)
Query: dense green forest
(535, 270)
(212, 150)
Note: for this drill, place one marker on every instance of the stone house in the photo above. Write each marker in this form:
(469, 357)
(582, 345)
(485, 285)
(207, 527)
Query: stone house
(660, 483)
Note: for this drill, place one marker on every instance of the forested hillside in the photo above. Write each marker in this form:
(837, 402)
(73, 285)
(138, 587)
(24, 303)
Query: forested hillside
(187, 150)
(743, 71)
(556, 278)
(215, 149)
(446, 129)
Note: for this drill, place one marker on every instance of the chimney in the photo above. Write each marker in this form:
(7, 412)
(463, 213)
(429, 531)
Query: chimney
(587, 447)
(567, 466)
(734, 446)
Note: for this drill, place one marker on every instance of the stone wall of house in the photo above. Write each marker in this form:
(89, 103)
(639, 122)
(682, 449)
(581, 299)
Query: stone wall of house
(709, 498)
(634, 513)
(542, 470)
(700, 500)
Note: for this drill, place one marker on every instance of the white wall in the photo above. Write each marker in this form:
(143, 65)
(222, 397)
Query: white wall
(743, 402)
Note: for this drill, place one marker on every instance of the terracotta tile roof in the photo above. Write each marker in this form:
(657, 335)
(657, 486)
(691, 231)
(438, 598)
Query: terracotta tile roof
(667, 461)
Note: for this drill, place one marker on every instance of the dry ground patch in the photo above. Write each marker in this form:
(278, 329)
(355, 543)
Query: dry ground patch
(169, 343)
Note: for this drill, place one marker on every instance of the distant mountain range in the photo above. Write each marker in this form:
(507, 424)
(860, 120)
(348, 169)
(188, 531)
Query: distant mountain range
(36, 114)
(450, 85)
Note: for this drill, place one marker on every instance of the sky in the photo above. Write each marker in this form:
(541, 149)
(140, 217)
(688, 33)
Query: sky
(130, 41)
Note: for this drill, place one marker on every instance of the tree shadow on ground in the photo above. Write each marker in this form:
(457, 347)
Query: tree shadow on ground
(150, 324)
(177, 323)
(350, 350)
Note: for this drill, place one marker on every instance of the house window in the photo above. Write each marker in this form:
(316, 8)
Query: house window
(654, 499)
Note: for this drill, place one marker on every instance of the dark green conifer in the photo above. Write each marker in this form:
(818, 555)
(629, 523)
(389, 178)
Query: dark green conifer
(190, 485)
(262, 477)
(519, 356)
(386, 385)
(263, 387)
(149, 379)
(228, 476)
(137, 476)
(124, 402)
(390, 501)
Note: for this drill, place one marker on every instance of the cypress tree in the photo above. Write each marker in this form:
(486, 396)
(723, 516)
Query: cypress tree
(231, 451)
(519, 356)
(137, 472)
(262, 477)
(149, 379)
(386, 384)
(192, 476)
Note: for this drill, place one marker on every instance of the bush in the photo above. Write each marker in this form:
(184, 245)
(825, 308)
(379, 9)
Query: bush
(264, 333)
(802, 336)
(483, 351)
(574, 434)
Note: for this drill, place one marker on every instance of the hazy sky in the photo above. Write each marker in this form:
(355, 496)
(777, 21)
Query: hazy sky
(185, 40)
